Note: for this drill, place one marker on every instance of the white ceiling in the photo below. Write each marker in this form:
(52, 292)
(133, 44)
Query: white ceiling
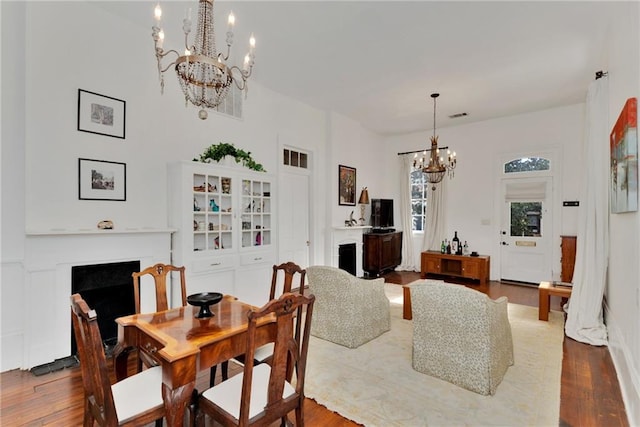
(377, 62)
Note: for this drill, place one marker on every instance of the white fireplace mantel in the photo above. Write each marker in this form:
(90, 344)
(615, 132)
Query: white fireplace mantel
(96, 231)
(49, 256)
(346, 235)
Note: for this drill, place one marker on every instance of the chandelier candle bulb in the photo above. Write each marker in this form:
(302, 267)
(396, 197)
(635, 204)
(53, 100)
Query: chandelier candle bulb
(252, 44)
(158, 13)
(231, 21)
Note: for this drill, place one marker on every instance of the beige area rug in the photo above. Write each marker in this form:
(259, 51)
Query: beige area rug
(375, 384)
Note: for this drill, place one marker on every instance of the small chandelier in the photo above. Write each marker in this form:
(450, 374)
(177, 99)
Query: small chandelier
(436, 167)
(203, 73)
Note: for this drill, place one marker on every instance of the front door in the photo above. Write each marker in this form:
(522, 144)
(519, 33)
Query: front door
(526, 231)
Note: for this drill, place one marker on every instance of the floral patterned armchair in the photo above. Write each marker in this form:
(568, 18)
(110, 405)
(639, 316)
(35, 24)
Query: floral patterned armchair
(460, 335)
(348, 311)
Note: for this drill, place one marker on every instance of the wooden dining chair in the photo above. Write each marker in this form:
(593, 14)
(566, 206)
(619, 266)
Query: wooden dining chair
(262, 394)
(134, 401)
(289, 269)
(287, 272)
(159, 272)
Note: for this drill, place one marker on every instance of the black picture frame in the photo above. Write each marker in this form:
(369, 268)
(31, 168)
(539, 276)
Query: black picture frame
(102, 180)
(101, 114)
(346, 186)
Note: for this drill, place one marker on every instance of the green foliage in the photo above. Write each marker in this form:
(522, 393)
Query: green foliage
(522, 218)
(217, 152)
(527, 164)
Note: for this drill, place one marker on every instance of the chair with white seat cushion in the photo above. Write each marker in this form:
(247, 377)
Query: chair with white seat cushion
(281, 283)
(349, 311)
(134, 401)
(460, 335)
(265, 393)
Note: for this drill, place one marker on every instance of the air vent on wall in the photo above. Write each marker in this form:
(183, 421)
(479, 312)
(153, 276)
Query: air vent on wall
(455, 116)
(231, 105)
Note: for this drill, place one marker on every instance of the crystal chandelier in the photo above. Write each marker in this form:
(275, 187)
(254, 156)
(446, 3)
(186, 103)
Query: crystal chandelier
(436, 167)
(203, 73)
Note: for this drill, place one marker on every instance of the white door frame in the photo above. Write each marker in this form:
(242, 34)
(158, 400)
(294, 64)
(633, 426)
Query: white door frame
(555, 172)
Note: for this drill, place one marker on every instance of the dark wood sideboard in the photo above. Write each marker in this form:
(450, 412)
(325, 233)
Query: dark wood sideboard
(382, 251)
(468, 267)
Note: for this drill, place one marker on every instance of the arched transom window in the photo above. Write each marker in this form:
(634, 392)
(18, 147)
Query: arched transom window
(527, 164)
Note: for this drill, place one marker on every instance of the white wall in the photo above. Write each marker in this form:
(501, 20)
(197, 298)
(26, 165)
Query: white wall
(12, 178)
(159, 127)
(623, 290)
(354, 146)
(471, 195)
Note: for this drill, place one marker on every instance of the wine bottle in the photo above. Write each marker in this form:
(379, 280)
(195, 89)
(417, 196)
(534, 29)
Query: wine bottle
(455, 244)
(442, 247)
(449, 248)
(465, 248)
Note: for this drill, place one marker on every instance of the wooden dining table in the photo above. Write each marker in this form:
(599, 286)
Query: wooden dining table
(184, 345)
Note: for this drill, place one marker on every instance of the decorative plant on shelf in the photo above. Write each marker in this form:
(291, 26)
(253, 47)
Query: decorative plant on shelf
(217, 152)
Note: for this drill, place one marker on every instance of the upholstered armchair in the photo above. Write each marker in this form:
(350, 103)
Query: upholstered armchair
(349, 311)
(460, 335)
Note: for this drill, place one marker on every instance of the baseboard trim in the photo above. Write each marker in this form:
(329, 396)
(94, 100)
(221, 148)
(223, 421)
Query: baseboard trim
(628, 379)
(519, 283)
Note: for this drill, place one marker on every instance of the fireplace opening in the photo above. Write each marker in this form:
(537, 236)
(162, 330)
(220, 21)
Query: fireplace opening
(347, 257)
(108, 289)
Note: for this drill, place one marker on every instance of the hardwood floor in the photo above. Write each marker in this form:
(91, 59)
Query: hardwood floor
(590, 393)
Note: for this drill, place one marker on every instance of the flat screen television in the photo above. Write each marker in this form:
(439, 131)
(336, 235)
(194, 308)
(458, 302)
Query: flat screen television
(382, 215)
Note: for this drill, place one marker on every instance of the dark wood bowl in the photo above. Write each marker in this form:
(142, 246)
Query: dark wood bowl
(204, 300)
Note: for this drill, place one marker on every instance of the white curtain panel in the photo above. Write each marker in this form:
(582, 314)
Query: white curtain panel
(584, 320)
(408, 263)
(434, 228)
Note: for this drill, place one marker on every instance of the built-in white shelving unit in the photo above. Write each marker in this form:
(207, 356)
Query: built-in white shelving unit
(225, 219)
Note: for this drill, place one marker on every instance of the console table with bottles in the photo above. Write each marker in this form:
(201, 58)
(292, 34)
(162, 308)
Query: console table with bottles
(469, 267)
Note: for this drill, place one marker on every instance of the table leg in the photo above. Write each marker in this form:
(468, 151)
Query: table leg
(176, 402)
(406, 303)
(543, 304)
(121, 358)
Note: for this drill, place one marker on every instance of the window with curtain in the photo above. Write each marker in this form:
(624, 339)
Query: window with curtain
(419, 190)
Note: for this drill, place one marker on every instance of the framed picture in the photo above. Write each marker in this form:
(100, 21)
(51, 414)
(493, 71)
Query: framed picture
(102, 180)
(623, 142)
(346, 185)
(101, 114)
